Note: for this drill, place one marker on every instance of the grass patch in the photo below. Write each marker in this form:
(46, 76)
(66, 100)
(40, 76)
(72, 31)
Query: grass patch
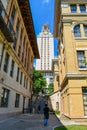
(72, 127)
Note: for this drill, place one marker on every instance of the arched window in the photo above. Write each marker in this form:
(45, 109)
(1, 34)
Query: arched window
(85, 30)
(77, 31)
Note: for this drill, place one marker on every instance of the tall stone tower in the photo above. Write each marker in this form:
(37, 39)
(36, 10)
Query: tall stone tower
(46, 50)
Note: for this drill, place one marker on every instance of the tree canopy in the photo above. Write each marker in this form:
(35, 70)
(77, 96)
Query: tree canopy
(50, 88)
(38, 82)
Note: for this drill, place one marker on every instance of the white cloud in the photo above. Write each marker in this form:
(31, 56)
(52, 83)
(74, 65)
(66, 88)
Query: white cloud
(46, 1)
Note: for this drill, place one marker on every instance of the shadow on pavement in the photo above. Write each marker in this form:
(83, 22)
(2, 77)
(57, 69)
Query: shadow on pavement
(60, 123)
(31, 122)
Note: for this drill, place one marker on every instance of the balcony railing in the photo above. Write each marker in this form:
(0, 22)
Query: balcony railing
(82, 62)
(5, 24)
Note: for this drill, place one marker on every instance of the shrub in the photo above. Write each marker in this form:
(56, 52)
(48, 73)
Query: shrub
(57, 112)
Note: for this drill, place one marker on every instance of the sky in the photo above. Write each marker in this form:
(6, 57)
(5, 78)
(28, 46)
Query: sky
(43, 13)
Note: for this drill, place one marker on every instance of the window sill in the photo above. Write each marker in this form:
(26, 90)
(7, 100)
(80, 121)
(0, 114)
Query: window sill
(82, 68)
(80, 38)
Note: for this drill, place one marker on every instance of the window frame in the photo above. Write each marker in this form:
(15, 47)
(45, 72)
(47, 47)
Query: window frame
(72, 9)
(6, 62)
(82, 11)
(85, 31)
(5, 97)
(81, 59)
(12, 68)
(17, 100)
(77, 33)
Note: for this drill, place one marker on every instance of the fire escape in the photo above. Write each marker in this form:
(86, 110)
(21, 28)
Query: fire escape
(5, 24)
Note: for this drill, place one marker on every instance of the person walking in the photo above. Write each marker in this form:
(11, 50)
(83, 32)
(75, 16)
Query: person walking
(39, 109)
(46, 115)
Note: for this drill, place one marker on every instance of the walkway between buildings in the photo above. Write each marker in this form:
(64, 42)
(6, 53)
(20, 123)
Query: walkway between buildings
(31, 122)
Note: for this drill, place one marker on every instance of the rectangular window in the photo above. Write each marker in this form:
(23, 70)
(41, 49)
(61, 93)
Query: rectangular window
(26, 83)
(21, 36)
(5, 97)
(15, 41)
(17, 99)
(77, 31)
(17, 27)
(82, 8)
(85, 30)
(21, 78)
(19, 50)
(13, 15)
(17, 79)
(84, 93)
(12, 69)
(6, 63)
(73, 8)
(81, 59)
(16, 34)
(24, 80)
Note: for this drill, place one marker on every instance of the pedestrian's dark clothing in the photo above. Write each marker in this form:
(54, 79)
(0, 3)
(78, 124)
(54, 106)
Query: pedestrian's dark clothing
(39, 108)
(46, 112)
(46, 115)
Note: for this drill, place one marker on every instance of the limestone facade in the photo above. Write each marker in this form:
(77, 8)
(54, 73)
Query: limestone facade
(16, 57)
(70, 27)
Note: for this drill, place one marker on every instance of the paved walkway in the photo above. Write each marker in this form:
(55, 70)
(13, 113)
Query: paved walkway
(31, 122)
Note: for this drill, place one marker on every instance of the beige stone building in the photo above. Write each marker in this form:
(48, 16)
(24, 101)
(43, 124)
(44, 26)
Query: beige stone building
(55, 96)
(70, 27)
(18, 47)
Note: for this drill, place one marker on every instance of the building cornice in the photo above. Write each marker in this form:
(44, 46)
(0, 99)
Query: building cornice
(74, 1)
(66, 20)
(74, 14)
(73, 76)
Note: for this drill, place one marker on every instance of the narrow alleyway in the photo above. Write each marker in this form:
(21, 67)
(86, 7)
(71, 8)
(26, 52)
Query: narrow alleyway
(28, 122)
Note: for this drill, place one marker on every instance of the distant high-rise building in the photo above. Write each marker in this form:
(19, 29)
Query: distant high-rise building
(46, 50)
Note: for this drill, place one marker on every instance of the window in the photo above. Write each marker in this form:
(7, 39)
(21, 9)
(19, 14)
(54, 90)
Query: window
(23, 49)
(12, 69)
(73, 8)
(17, 100)
(13, 15)
(6, 62)
(17, 79)
(17, 27)
(84, 93)
(81, 59)
(77, 31)
(21, 36)
(85, 30)
(15, 41)
(21, 78)
(19, 50)
(26, 83)
(82, 8)
(5, 97)
(24, 80)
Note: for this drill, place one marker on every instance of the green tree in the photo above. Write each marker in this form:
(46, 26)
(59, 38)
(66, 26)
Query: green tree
(38, 82)
(50, 88)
